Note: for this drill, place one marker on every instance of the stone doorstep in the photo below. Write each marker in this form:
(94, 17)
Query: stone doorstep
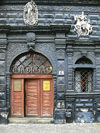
(30, 120)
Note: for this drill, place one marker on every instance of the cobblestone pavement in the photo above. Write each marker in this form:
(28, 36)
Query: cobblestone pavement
(50, 128)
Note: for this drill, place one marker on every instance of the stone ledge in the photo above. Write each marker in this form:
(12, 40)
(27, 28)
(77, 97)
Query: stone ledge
(52, 28)
(30, 120)
(82, 42)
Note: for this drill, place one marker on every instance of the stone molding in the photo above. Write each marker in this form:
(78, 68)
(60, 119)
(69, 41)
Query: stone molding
(85, 2)
(52, 28)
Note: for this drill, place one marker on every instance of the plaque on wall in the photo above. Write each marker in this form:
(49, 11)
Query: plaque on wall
(61, 72)
(17, 85)
(46, 85)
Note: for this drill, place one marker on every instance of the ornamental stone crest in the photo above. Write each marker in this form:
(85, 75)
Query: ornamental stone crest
(30, 13)
(82, 27)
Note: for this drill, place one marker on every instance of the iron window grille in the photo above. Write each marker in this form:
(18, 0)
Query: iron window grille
(33, 63)
(83, 77)
(83, 80)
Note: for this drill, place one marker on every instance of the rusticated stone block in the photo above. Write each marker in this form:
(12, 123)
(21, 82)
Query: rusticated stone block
(60, 80)
(2, 56)
(46, 15)
(60, 54)
(60, 96)
(60, 114)
(97, 116)
(2, 96)
(59, 16)
(2, 67)
(60, 41)
(2, 80)
(60, 88)
(94, 17)
(30, 37)
(2, 103)
(97, 99)
(60, 121)
(84, 117)
(79, 105)
(88, 104)
(2, 87)
(84, 100)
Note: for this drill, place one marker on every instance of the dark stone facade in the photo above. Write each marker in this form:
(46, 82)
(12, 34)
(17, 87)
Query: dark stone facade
(55, 38)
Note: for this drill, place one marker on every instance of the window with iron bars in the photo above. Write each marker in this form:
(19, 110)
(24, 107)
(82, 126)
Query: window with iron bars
(83, 77)
(83, 80)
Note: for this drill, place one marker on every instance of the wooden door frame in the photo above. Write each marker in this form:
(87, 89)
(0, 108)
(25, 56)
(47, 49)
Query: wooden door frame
(32, 76)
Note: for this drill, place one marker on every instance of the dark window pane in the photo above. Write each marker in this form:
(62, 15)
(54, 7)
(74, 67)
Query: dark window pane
(83, 60)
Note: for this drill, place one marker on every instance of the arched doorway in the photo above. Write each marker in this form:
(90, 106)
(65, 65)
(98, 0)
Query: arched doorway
(31, 86)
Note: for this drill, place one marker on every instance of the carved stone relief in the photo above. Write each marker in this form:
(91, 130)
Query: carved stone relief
(30, 13)
(82, 27)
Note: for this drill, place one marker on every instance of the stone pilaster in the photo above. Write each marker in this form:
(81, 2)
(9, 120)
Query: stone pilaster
(70, 71)
(60, 43)
(3, 104)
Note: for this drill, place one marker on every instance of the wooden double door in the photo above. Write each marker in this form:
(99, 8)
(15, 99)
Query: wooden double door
(32, 96)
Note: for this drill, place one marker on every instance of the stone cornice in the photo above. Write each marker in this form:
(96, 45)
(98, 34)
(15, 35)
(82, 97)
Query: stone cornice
(52, 28)
(54, 2)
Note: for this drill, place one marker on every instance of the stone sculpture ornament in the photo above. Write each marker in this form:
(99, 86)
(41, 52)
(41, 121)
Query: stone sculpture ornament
(30, 13)
(82, 27)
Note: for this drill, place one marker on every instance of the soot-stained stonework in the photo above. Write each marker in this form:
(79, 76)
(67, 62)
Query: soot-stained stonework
(55, 38)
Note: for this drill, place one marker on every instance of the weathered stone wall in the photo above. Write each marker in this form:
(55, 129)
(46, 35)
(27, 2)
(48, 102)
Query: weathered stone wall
(3, 109)
(62, 49)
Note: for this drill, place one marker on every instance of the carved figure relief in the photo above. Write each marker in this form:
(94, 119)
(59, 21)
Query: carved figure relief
(30, 13)
(82, 27)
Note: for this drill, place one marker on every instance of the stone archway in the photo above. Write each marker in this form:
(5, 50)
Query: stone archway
(31, 86)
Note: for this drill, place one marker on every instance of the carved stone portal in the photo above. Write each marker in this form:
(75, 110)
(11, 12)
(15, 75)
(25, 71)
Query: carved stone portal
(82, 27)
(30, 13)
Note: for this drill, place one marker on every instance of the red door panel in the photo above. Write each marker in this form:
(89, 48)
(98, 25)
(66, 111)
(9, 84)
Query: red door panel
(47, 101)
(32, 97)
(17, 97)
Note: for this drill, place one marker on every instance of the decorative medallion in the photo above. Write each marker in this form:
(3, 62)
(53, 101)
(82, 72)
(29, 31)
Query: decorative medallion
(82, 27)
(30, 13)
